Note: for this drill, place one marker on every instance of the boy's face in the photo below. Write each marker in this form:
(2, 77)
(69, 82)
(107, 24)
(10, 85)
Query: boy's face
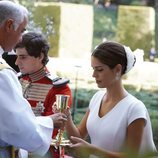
(26, 63)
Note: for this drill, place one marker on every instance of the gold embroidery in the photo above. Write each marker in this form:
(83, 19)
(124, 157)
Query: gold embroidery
(35, 91)
(39, 108)
(3, 65)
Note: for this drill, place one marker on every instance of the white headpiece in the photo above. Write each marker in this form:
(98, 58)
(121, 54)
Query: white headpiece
(130, 59)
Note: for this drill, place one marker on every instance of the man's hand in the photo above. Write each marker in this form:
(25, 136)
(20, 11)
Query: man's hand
(59, 119)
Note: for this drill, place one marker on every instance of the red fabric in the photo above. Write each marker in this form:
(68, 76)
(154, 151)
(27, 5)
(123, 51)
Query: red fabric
(50, 99)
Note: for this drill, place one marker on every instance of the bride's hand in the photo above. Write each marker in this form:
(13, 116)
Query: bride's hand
(78, 142)
(79, 148)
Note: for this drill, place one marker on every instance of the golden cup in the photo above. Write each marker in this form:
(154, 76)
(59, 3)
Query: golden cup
(62, 102)
(61, 105)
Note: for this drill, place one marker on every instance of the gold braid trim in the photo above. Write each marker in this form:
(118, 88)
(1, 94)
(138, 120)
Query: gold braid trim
(3, 64)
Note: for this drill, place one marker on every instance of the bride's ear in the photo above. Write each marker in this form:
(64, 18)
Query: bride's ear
(118, 69)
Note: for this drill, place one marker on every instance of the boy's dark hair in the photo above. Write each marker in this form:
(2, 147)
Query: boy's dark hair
(35, 44)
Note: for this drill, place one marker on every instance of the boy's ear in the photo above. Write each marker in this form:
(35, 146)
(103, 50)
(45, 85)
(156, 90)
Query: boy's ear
(41, 56)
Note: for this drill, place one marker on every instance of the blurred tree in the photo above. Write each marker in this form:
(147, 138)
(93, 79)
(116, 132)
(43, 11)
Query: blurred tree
(103, 2)
(32, 26)
(151, 2)
(136, 33)
(69, 1)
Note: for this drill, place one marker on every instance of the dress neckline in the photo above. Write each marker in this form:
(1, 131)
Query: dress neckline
(113, 108)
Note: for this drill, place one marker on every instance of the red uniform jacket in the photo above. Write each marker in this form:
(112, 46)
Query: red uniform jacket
(40, 89)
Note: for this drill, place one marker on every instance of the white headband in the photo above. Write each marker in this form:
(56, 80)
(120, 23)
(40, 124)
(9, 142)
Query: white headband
(130, 59)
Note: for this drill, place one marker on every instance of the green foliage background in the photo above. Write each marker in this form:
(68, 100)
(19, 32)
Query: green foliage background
(105, 24)
(125, 26)
(133, 28)
(40, 16)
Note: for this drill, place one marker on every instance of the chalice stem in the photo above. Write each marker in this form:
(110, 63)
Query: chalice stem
(60, 136)
(61, 152)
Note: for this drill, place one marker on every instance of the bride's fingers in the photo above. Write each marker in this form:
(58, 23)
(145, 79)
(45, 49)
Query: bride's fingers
(76, 139)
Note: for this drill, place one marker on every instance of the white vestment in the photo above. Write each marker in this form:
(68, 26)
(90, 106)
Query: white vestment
(18, 125)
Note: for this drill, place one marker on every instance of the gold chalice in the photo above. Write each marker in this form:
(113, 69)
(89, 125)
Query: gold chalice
(61, 105)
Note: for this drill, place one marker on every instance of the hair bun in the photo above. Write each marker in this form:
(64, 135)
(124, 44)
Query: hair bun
(131, 59)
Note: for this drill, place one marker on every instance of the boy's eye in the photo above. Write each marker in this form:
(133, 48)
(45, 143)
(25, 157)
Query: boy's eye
(22, 57)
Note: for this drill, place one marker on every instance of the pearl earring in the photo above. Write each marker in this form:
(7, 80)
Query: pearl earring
(117, 76)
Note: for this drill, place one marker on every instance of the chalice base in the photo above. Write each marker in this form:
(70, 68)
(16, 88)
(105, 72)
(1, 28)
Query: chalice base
(63, 142)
